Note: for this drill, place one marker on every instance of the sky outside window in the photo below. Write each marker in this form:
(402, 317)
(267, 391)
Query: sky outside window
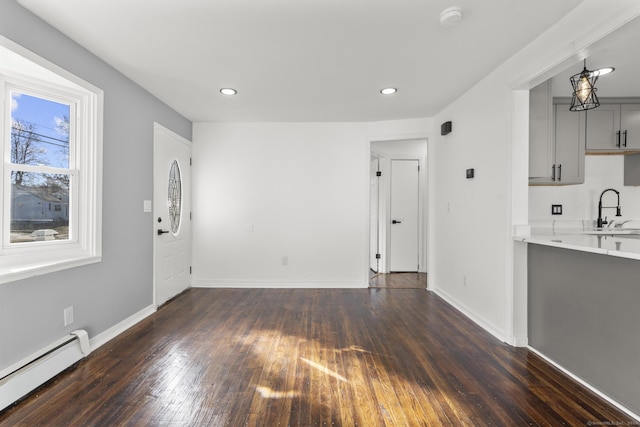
(46, 124)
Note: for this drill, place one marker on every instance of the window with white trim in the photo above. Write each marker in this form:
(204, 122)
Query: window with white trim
(50, 136)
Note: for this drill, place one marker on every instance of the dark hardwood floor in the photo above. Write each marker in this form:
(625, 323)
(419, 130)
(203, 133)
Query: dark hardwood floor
(398, 280)
(293, 357)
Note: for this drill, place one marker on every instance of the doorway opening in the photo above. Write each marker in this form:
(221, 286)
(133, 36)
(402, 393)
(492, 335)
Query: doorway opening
(398, 208)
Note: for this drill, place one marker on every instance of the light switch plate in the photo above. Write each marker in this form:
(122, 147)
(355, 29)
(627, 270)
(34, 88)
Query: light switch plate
(146, 206)
(68, 316)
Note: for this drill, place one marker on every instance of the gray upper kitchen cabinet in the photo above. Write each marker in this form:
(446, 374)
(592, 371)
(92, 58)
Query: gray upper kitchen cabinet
(541, 150)
(569, 143)
(613, 128)
(556, 140)
(632, 170)
(603, 124)
(630, 125)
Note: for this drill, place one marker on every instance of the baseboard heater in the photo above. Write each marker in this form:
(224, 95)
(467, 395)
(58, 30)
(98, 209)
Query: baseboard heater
(28, 374)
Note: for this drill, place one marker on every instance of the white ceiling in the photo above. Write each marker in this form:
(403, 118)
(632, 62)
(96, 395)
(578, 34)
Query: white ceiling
(619, 50)
(302, 60)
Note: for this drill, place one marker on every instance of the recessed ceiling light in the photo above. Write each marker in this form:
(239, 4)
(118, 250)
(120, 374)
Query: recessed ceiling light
(388, 91)
(603, 71)
(451, 16)
(228, 91)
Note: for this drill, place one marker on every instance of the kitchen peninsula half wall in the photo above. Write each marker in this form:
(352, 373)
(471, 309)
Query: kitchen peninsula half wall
(583, 315)
(583, 289)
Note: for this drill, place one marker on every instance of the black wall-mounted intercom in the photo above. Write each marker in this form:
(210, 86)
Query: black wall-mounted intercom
(445, 128)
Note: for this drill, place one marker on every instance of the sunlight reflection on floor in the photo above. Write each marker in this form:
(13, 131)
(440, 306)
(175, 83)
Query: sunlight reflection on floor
(323, 369)
(311, 377)
(268, 393)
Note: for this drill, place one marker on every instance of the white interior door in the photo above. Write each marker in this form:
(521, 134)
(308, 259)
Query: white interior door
(405, 196)
(171, 213)
(374, 209)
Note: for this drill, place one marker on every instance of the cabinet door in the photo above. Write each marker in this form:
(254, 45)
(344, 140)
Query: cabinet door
(540, 133)
(570, 146)
(603, 125)
(630, 125)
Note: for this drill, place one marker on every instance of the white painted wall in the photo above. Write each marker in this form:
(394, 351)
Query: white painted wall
(303, 188)
(580, 202)
(468, 258)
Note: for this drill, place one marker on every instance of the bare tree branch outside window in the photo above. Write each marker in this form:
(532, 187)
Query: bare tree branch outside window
(25, 149)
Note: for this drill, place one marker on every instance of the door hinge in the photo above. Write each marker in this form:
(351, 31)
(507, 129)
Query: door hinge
(378, 173)
(190, 270)
(190, 216)
(378, 256)
(418, 168)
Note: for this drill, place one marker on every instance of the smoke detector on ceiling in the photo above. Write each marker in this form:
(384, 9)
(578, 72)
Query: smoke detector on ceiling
(451, 16)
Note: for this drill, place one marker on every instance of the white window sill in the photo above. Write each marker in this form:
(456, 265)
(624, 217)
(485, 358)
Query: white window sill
(11, 269)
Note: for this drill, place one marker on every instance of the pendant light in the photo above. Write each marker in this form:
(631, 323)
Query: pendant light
(584, 88)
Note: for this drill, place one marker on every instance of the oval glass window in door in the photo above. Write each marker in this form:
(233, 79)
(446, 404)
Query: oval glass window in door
(175, 197)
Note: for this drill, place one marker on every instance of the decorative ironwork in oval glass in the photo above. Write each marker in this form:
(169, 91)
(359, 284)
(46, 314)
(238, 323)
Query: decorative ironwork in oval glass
(175, 196)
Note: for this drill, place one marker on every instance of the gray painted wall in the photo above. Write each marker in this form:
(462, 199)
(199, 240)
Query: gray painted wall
(583, 314)
(104, 294)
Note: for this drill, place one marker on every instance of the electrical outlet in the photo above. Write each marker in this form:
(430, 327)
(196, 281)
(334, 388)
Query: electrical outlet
(556, 209)
(68, 316)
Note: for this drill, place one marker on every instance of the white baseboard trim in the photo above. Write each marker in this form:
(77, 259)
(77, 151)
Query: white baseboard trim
(586, 384)
(470, 314)
(268, 284)
(517, 341)
(106, 336)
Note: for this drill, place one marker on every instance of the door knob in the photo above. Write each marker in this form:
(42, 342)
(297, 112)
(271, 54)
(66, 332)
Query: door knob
(161, 231)
(395, 221)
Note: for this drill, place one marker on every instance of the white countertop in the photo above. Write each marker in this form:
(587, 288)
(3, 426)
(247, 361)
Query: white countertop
(611, 242)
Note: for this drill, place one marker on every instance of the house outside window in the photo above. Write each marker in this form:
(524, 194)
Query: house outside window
(50, 135)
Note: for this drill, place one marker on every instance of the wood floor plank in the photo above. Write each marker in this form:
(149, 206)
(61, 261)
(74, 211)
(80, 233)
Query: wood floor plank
(398, 280)
(294, 357)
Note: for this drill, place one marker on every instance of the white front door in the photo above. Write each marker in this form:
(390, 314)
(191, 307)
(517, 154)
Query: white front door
(171, 214)
(405, 198)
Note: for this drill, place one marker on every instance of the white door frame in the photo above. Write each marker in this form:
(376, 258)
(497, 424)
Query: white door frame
(374, 214)
(385, 207)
